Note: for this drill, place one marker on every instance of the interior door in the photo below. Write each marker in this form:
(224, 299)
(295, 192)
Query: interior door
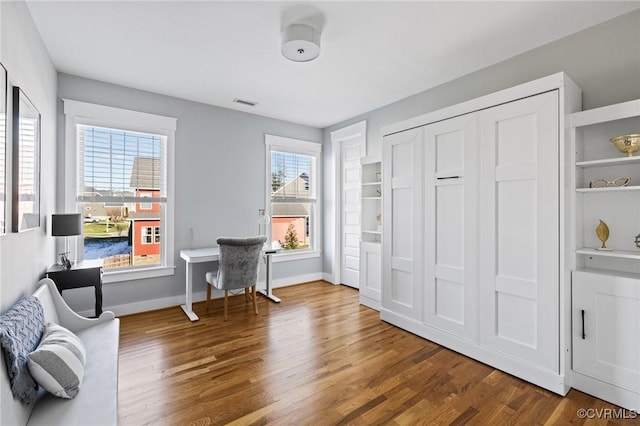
(451, 176)
(350, 176)
(519, 237)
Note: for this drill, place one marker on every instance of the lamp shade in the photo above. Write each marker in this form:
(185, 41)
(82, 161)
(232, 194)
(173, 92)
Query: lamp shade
(66, 224)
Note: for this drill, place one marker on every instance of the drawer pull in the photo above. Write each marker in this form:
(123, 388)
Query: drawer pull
(583, 335)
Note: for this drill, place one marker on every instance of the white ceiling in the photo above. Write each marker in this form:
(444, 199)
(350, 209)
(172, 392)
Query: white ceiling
(373, 53)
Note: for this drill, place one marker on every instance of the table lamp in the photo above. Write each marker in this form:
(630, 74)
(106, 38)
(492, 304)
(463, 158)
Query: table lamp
(66, 225)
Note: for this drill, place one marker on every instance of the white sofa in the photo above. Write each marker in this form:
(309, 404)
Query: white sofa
(97, 401)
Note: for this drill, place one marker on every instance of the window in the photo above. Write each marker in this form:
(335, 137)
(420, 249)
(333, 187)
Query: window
(293, 176)
(147, 234)
(122, 182)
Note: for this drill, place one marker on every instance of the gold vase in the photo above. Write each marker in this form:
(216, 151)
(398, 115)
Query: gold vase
(602, 231)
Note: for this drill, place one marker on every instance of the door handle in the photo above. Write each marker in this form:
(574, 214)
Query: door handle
(583, 335)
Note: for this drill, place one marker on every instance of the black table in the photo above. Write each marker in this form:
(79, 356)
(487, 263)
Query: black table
(81, 274)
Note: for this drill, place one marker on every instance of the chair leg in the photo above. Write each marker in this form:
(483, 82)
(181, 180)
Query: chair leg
(246, 294)
(208, 296)
(255, 299)
(226, 303)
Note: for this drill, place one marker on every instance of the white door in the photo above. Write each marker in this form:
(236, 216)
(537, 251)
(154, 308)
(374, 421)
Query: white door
(519, 222)
(402, 224)
(451, 181)
(350, 177)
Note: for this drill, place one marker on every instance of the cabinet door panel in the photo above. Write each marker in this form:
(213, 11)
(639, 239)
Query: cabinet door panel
(610, 349)
(402, 223)
(519, 242)
(450, 216)
(370, 270)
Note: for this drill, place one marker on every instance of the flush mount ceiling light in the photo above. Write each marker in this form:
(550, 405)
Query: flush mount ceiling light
(300, 43)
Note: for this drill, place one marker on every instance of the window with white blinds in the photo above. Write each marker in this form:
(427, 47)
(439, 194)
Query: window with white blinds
(293, 187)
(122, 183)
(120, 166)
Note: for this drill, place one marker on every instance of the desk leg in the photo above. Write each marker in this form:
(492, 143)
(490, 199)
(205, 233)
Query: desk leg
(188, 307)
(267, 292)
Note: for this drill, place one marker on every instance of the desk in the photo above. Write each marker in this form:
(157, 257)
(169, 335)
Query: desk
(211, 254)
(87, 273)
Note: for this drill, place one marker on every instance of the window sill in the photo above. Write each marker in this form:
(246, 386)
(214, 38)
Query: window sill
(136, 274)
(283, 256)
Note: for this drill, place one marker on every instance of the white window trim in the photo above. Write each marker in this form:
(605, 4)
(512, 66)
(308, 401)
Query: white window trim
(296, 146)
(76, 113)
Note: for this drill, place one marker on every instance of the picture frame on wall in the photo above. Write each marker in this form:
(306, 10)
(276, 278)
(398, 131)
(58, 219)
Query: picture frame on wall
(3, 150)
(26, 163)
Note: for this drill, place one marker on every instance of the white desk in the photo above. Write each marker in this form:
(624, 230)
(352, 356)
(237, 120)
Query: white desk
(211, 254)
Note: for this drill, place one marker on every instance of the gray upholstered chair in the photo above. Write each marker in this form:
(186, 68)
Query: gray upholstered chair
(237, 268)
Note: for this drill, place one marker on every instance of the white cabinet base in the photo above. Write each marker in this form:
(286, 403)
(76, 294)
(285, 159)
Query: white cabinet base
(610, 393)
(523, 370)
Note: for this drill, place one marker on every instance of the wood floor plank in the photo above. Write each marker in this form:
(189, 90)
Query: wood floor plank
(317, 358)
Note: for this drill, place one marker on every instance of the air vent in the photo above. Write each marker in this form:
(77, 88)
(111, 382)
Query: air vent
(245, 102)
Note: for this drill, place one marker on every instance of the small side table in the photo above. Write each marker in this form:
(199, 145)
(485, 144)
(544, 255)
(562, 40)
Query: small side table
(87, 273)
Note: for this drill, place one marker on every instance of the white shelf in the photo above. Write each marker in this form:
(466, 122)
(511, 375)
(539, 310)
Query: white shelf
(372, 232)
(378, 183)
(620, 254)
(609, 189)
(609, 162)
(372, 198)
(607, 113)
(610, 273)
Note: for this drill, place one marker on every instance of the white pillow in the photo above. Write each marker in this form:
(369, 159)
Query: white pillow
(58, 362)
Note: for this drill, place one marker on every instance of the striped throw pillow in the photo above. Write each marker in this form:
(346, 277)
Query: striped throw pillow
(57, 364)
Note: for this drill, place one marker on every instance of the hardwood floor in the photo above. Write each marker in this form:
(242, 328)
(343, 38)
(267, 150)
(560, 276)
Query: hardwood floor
(317, 358)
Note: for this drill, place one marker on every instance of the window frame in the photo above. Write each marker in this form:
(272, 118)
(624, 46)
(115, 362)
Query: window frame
(83, 113)
(302, 147)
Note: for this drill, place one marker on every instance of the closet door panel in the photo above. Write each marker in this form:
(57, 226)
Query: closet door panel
(520, 229)
(450, 224)
(402, 223)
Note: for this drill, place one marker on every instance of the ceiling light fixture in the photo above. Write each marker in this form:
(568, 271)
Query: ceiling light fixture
(300, 43)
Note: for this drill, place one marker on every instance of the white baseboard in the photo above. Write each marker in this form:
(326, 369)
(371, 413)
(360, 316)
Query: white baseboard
(522, 369)
(168, 302)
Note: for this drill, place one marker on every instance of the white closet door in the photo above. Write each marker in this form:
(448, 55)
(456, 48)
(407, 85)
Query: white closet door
(519, 240)
(402, 223)
(451, 176)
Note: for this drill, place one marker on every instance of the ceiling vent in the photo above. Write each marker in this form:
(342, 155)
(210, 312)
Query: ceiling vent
(245, 102)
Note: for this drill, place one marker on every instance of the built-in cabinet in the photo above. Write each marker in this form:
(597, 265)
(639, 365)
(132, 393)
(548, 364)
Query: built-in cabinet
(371, 229)
(473, 229)
(606, 283)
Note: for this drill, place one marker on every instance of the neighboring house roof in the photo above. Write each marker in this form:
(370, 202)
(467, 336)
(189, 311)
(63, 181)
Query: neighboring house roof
(145, 173)
(296, 188)
(289, 209)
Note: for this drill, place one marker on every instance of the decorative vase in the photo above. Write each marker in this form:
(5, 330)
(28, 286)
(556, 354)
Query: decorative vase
(602, 231)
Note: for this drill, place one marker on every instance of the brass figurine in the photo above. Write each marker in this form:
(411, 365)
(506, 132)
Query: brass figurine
(602, 231)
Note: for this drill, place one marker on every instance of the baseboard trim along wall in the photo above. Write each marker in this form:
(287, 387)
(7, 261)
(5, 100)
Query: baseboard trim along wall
(168, 302)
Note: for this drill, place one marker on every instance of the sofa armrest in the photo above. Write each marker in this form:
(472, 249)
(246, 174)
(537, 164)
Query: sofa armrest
(49, 296)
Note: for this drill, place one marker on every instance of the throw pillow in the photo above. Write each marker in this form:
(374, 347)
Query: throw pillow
(20, 330)
(58, 362)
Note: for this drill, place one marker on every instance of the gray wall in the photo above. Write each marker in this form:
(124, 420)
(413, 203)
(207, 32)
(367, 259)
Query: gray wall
(603, 60)
(219, 184)
(25, 256)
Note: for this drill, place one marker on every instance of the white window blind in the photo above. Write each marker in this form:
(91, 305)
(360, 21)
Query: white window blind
(115, 165)
(292, 177)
